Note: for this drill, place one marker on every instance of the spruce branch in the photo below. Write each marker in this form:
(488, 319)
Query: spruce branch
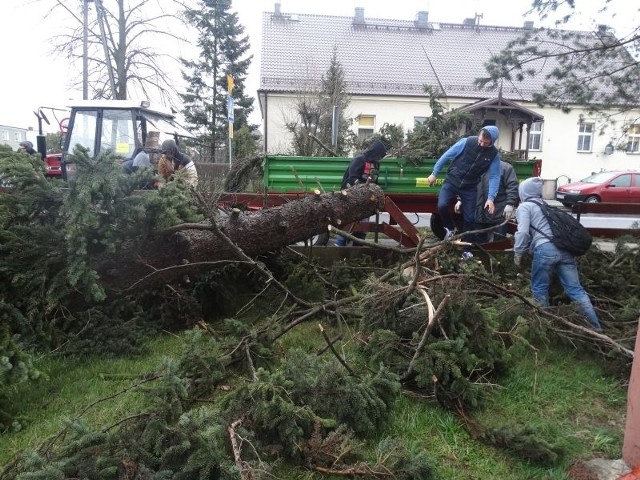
(334, 351)
(433, 318)
(245, 471)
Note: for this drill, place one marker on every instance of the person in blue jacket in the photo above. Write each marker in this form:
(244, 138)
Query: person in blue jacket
(533, 236)
(469, 158)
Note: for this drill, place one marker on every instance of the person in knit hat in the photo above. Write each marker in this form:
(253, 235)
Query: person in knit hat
(27, 147)
(533, 236)
(174, 161)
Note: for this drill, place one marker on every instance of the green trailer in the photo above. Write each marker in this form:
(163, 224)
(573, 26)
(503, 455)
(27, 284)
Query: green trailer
(289, 174)
(404, 183)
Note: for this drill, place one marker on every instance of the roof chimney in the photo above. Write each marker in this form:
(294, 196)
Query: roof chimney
(421, 19)
(358, 19)
(277, 10)
(469, 21)
(528, 25)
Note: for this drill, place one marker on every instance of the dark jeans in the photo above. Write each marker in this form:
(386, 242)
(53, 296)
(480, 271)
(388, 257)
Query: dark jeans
(467, 195)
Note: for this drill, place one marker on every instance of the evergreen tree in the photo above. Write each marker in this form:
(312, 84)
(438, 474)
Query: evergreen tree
(598, 70)
(334, 95)
(311, 126)
(440, 130)
(223, 51)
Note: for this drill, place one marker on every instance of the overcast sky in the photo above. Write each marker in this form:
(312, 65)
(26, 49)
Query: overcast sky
(34, 77)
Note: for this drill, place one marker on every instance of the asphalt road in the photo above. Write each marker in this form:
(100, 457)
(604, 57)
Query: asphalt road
(591, 220)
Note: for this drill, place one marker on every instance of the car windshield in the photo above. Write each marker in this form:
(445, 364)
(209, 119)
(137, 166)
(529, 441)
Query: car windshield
(600, 177)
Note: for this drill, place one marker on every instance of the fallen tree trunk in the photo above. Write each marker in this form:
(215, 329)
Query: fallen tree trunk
(196, 247)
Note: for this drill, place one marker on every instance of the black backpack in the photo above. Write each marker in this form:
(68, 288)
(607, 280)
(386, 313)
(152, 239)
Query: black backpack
(568, 233)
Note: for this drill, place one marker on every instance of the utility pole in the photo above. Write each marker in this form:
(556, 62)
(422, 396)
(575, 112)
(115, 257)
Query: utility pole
(85, 49)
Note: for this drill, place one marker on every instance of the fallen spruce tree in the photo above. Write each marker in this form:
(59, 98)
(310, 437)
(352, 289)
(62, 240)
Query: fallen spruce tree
(430, 325)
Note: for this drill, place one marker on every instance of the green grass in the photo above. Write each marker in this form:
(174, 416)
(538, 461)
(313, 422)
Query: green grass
(566, 398)
(560, 392)
(70, 385)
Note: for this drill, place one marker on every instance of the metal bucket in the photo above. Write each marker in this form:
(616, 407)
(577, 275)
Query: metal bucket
(549, 189)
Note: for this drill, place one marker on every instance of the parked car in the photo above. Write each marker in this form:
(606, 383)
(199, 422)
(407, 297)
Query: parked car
(621, 186)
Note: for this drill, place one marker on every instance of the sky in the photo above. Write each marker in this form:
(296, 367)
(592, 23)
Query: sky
(34, 77)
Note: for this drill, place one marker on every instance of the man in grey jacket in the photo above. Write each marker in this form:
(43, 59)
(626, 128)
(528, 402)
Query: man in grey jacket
(534, 235)
(504, 203)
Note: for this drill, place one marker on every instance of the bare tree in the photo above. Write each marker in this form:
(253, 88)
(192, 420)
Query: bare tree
(127, 45)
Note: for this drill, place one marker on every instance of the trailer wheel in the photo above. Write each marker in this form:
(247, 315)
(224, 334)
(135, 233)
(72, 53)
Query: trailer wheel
(320, 240)
(437, 227)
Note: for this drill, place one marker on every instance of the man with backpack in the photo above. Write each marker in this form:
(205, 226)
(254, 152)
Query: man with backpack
(535, 235)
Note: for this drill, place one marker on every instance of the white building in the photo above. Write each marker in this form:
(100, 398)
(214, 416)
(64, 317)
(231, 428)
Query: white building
(12, 136)
(387, 63)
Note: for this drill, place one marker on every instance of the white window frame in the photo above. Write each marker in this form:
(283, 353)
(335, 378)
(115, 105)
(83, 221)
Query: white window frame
(633, 139)
(419, 121)
(535, 137)
(366, 126)
(585, 137)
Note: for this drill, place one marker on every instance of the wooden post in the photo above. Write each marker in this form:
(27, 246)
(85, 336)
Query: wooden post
(631, 447)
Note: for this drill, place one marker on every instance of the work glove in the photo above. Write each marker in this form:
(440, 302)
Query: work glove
(508, 212)
(457, 207)
(517, 259)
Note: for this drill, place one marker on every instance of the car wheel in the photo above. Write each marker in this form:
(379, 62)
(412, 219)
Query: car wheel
(567, 204)
(592, 199)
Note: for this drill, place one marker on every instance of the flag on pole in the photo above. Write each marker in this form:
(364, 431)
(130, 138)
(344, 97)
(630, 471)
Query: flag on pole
(229, 84)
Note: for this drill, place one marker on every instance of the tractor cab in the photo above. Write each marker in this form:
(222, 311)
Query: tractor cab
(121, 126)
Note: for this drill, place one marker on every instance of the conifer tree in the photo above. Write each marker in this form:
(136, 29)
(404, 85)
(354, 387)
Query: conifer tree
(598, 70)
(223, 51)
(334, 95)
(312, 119)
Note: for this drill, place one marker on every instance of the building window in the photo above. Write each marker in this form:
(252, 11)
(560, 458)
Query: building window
(585, 137)
(5, 135)
(633, 139)
(366, 124)
(535, 136)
